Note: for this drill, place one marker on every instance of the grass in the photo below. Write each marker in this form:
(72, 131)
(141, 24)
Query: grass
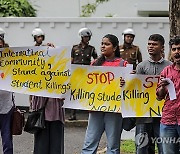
(128, 147)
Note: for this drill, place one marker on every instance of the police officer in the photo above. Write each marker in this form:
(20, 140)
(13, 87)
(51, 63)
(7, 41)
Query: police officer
(81, 54)
(51, 139)
(39, 37)
(128, 51)
(2, 33)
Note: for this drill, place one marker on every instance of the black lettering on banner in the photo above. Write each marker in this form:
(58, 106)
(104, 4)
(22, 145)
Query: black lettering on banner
(158, 112)
(19, 71)
(94, 108)
(26, 84)
(49, 74)
(82, 94)
(105, 97)
(134, 94)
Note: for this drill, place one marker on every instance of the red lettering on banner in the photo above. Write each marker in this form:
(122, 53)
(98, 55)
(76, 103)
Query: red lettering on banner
(149, 81)
(100, 77)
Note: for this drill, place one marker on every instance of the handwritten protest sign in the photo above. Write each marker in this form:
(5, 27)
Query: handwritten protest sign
(42, 71)
(139, 96)
(45, 71)
(95, 88)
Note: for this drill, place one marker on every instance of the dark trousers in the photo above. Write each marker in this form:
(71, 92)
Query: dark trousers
(51, 139)
(145, 138)
(5, 128)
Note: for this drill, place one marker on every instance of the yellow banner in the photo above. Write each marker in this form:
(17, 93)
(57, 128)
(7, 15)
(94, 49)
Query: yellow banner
(45, 71)
(139, 96)
(97, 88)
(42, 71)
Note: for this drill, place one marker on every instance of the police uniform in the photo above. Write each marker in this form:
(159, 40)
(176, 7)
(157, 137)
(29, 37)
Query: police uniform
(131, 54)
(82, 55)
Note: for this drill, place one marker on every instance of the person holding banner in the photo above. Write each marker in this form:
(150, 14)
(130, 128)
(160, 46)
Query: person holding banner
(39, 37)
(153, 66)
(6, 110)
(170, 81)
(99, 122)
(81, 54)
(51, 139)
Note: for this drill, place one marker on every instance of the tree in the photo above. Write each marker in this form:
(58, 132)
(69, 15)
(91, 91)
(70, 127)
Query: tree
(174, 19)
(174, 15)
(90, 8)
(16, 8)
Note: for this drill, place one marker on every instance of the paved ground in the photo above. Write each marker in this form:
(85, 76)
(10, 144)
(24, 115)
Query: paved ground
(82, 119)
(74, 137)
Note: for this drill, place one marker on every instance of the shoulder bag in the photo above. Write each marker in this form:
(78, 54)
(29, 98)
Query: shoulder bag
(18, 120)
(35, 121)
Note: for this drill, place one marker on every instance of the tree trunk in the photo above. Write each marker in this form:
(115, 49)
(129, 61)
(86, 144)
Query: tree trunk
(174, 19)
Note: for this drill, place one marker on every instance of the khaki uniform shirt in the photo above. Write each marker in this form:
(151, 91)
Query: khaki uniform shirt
(131, 54)
(82, 55)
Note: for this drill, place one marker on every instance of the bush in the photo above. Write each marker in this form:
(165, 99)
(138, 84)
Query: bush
(16, 8)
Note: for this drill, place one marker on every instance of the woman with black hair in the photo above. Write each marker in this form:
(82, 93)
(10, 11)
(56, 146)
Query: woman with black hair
(99, 122)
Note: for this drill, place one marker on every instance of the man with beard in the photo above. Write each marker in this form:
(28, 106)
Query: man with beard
(170, 120)
(128, 51)
(81, 54)
(152, 66)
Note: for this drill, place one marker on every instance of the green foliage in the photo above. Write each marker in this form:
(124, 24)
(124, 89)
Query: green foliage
(128, 146)
(89, 9)
(16, 8)
(109, 15)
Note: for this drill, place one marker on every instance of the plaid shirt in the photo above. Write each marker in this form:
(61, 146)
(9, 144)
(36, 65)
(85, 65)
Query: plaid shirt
(171, 109)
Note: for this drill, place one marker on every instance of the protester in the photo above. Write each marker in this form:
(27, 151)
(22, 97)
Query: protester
(131, 53)
(81, 54)
(153, 66)
(170, 121)
(99, 122)
(6, 110)
(128, 50)
(51, 139)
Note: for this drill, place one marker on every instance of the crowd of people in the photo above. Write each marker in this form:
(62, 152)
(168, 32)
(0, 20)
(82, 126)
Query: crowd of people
(51, 139)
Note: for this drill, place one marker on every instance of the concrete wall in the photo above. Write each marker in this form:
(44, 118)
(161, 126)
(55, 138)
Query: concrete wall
(64, 31)
(118, 8)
